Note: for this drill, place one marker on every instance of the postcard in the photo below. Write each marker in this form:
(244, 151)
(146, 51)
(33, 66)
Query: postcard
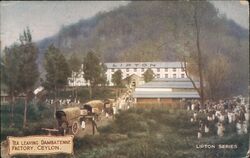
(125, 79)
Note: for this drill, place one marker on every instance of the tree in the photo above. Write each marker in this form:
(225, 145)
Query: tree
(57, 71)
(28, 69)
(74, 63)
(9, 75)
(148, 75)
(199, 53)
(117, 78)
(194, 59)
(217, 77)
(94, 71)
(75, 67)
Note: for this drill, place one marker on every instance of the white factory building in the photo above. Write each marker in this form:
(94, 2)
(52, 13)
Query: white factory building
(160, 69)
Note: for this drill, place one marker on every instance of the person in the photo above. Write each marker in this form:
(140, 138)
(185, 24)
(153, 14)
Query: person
(206, 129)
(220, 130)
(199, 134)
(195, 116)
(83, 124)
(94, 125)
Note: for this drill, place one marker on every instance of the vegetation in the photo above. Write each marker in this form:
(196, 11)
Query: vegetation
(39, 116)
(75, 67)
(21, 70)
(94, 71)
(57, 70)
(148, 75)
(155, 132)
(158, 132)
(117, 78)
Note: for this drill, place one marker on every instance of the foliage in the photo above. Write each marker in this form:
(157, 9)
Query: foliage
(162, 132)
(148, 75)
(74, 63)
(117, 78)
(9, 69)
(57, 69)
(94, 71)
(39, 115)
(20, 71)
(28, 68)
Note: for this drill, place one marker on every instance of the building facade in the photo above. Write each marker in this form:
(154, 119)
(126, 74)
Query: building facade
(160, 69)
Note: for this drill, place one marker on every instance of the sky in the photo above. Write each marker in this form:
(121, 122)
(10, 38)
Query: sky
(45, 18)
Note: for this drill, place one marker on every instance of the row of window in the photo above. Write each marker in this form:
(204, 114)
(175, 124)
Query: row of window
(166, 75)
(158, 70)
(174, 76)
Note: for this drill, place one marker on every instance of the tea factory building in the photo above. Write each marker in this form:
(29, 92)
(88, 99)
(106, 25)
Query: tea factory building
(161, 70)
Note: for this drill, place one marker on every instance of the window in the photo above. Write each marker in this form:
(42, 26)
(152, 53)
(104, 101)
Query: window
(158, 69)
(142, 70)
(166, 69)
(174, 75)
(135, 69)
(182, 69)
(158, 75)
(182, 75)
(174, 69)
(166, 75)
(127, 70)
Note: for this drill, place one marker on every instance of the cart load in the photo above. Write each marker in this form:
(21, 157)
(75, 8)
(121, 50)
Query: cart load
(68, 120)
(96, 106)
(108, 103)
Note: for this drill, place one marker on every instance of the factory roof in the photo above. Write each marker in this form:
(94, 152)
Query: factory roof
(155, 89)
(125, 65)
(169, 83)
(140, 94)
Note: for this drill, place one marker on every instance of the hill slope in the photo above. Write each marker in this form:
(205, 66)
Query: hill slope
(158, 31)
(136, 29)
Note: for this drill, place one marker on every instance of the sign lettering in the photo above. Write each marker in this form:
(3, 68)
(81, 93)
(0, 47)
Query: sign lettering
(40, 145)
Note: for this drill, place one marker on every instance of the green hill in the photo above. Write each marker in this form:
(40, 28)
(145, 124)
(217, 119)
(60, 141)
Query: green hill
(139, 30)
(158, 31)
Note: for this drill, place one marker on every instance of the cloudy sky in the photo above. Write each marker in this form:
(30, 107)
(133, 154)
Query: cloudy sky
(46, 18)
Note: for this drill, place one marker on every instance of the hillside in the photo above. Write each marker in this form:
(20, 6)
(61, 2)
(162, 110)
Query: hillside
(158, 31)
(130, 32)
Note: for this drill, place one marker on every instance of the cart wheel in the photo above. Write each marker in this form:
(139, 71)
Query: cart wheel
(75, 127)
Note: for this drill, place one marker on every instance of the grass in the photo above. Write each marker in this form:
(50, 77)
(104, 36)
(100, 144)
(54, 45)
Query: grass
(139, 133)
(158, 133)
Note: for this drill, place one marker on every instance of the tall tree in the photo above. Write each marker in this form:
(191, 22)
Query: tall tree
(74, 63)
(75, 68)
(117, 80)
(148, 75)
(193, 61)
(57, 71)
(217, 77)
(199, 53)
(28, 68)
(9, 74)
(94, 71)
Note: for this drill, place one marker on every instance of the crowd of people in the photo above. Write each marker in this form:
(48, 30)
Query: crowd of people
(61, 102)
(220, 117)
